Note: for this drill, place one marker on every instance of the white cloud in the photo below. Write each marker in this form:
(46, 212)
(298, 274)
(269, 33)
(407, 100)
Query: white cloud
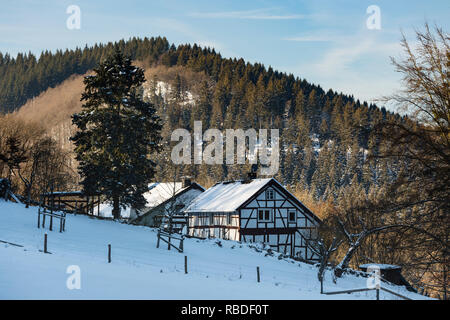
(196, 37)
(258, 14)
(309, 39)
(177, 26)
(357, 65)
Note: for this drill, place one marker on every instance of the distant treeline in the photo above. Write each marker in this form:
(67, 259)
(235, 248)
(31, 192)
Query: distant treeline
(26, 76)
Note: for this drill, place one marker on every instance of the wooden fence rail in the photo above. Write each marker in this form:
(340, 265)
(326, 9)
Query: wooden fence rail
(57, 215)
(168, 237)
(369, 289)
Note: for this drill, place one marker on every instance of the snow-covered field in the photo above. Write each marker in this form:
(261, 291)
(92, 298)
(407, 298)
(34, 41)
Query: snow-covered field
(141, 271)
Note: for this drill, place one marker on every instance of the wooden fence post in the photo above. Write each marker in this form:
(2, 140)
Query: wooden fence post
(257, 274)
(39, 217)
(185, 265)
(45, 243)
(168, 244)
(157, 242)
(321, 285)
(378, 294)
(109, 253)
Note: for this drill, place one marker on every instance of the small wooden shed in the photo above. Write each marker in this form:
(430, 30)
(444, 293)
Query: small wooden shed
(72, 201)
(391, 273)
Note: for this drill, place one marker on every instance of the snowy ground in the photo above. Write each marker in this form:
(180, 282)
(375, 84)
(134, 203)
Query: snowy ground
(141, 271)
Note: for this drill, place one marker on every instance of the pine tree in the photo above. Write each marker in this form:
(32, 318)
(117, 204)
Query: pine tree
(117, 133)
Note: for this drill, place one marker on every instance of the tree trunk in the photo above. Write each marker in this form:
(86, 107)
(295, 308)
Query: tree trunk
(29, 186)
(320, 275)
(28, 197)
(345, 262)
(116, 207)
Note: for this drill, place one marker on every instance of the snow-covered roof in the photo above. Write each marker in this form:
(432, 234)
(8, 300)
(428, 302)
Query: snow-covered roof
(162, 191)
(158, 193)
(226, 196)
(382, 266)
(64, 193)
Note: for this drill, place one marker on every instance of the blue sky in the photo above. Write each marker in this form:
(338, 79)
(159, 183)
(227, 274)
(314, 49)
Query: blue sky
(326, 42)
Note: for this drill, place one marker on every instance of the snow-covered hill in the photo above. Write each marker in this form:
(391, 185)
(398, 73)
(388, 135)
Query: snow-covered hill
(216, 270)
(164, 89)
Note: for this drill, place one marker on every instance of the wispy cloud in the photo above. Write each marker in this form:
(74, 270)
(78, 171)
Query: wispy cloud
(177, 26)
(340, 58)
(354, 63)
(323, 35)
(258, 14)
(195, 36)
(309, 39)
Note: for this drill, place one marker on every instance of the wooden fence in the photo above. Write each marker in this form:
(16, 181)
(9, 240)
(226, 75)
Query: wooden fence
(369, 289)
(45, 212)
(169, 239)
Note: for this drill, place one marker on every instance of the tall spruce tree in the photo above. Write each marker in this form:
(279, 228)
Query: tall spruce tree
(117, 134)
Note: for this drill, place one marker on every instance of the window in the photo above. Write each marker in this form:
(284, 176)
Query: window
(211, 219)
(264, 215)
(270, 195)
(292, 216)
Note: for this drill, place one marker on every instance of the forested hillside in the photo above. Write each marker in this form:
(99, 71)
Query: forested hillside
(26, 76)
(228, 93)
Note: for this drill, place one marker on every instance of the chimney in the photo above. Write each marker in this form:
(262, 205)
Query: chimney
(252, 174)
(186, 182)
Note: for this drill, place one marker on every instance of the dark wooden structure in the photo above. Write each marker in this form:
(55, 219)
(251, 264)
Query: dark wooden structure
(391, 273)
(6, 191)
(72, 202)
(5, 187)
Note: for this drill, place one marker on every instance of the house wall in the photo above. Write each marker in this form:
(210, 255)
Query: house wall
(224, 225)
(288, 237)
(151, 219)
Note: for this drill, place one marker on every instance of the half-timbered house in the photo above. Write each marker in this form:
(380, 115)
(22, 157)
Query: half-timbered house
(166, 199)
(256, 210)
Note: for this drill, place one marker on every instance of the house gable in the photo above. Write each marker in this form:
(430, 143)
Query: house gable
(275, 217)
(290, 200)
(268, 213)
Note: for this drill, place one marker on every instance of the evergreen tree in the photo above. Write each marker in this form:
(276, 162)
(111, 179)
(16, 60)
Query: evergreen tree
(117, 133)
